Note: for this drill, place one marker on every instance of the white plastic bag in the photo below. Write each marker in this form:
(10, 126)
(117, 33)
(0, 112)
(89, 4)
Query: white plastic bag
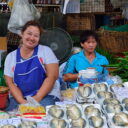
(22, 12)
(125, 11)
(31, 101)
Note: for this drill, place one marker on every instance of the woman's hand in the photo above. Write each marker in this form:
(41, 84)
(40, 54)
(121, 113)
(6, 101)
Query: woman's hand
(15, 91)
(52, 71)
(70, 77)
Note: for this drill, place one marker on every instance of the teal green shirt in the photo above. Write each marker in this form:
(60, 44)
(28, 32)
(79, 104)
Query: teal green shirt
(79, 62)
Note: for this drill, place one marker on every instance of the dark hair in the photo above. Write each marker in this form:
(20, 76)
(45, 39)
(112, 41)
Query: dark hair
(86, 34)
(32, 23)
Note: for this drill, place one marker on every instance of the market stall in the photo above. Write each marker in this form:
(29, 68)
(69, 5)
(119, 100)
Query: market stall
(100, 101)
(95, 103)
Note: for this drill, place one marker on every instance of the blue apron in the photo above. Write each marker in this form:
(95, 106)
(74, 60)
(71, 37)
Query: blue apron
(29, 74)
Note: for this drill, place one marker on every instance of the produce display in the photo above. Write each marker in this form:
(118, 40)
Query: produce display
(125, 101)
(78, 123)
(100, 87)
(126, 107)
(23, 124)
(116, 85)
(56, 112)
(111, 101)
(68, 94)
(121, 67)
(4, 115)
(104, 95)
(92, 111)
(28, 124)
(31, 109)
(113, 108)
(8, 126)
(96, 121)
(100, 108)
(57, 123)
(73, 112)
(84, 91)
(120, 119)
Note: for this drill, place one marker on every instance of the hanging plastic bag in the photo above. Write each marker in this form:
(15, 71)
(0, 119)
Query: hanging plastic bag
(22, 12)
(125, 11)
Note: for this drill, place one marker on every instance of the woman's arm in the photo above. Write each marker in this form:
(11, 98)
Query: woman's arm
(70, 73)
(52, 72)
(8, 72)
(70, 77)
(15, 91)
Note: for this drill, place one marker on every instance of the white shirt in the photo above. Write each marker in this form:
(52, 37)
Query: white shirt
(45, 55)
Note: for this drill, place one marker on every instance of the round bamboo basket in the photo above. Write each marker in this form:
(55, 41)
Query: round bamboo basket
(113, 41)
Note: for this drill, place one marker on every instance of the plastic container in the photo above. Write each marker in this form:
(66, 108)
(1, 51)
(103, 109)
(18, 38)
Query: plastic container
(3, 100)
(98, 79)
(3, 96)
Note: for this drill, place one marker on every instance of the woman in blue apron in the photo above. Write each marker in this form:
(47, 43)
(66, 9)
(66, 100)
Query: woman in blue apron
(35, 69)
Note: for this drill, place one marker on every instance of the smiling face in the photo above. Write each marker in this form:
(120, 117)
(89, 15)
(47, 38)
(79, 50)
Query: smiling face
(30, 37)
(89, 45)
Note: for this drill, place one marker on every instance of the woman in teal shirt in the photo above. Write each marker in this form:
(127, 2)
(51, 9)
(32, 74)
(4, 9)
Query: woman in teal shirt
(87, 58)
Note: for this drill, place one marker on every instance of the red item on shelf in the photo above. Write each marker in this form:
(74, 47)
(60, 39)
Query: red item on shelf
(3, 100)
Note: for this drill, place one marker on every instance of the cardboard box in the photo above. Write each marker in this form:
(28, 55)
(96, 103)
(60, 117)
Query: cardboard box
(3, 43)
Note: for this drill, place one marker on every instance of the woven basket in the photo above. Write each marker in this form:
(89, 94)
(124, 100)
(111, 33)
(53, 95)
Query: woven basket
(77, 22)
(113, 41)
(96, 6)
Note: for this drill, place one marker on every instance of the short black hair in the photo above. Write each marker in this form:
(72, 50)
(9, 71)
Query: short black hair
(86, 34)
(32, 23)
